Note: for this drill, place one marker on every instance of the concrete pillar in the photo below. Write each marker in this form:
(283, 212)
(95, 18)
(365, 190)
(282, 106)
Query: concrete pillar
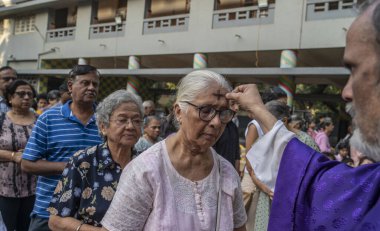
(133, 84)
(287, 84)
(200, 61)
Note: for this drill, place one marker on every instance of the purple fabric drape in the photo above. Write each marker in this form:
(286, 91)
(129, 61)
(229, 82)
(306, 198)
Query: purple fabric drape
(314, 193)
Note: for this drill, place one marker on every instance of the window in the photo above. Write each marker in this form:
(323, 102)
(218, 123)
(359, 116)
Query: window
(333, 5)
(25, 24)
(347, 4)
(319, 7)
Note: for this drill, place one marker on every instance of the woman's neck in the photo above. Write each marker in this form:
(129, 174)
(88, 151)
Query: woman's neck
(191, 162)
(21, 117)
(152, 141)
(18, 112)
(120, 154)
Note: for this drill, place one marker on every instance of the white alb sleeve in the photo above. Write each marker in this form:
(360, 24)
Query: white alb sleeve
(266, 153)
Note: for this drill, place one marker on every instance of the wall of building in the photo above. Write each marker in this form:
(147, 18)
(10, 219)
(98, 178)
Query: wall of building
(290, 30)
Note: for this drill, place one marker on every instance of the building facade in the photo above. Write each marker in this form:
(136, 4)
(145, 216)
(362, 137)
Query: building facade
(135, 42)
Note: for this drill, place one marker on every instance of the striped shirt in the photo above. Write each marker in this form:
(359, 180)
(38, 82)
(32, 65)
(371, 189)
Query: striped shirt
(57, 135)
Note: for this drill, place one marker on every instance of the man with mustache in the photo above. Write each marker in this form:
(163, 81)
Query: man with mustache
(59, 133)
(310, 191)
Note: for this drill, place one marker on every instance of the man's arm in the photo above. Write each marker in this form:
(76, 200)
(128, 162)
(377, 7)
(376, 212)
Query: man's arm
(34, 158)
(265, 155)
(42, 167)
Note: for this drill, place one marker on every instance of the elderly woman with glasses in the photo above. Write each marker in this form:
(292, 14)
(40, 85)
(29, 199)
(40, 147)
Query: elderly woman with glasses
(17, 188)
(181, 183)
(89, 180)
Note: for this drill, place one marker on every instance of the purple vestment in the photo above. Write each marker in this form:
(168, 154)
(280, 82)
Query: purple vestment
(314, 193)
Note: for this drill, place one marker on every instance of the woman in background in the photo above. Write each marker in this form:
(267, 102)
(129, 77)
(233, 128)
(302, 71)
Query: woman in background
(151, 134)
(17, 191)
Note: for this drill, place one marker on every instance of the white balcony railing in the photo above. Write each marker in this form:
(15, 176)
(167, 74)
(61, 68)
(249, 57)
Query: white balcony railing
(62, 34)
(107, 30)
(243, 16)
(176, 23)
(328, 9)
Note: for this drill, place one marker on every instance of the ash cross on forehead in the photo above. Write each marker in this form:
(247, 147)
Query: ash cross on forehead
(218, 94)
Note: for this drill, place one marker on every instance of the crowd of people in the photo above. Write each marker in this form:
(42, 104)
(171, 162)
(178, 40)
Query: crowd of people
(70, 163)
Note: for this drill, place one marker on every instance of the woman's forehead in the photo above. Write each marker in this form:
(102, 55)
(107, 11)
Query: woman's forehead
(213, 95)
(24, 87)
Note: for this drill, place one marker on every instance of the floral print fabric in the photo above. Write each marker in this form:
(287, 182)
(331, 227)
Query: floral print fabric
(87, 186)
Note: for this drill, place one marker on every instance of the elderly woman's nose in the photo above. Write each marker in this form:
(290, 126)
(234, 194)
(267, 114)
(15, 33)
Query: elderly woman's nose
(216, 120)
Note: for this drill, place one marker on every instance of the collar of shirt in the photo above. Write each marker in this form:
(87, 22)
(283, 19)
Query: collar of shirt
(105, 158)
(67, 113)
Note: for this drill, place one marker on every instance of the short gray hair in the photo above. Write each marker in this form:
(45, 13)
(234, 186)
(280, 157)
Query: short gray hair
(148, 119)
(111, 102)
(148, 103)
(278, 109)
(194, 83)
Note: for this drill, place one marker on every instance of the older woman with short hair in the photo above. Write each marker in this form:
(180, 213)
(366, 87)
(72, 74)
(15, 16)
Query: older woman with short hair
(89, 180)
(181, 183)
(152, 125)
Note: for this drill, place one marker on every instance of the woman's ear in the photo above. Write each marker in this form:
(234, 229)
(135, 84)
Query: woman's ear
(177, 113)
(102, 129)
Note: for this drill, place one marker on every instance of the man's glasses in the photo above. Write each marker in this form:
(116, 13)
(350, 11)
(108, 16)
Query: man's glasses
(125, 121)
(207, 113)
(22, 94)
(8, 78)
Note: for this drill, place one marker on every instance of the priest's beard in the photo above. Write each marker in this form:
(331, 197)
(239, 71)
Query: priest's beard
(370, 150)
(358, 141)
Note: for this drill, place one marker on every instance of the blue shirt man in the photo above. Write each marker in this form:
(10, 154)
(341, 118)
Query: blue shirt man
(57, 135)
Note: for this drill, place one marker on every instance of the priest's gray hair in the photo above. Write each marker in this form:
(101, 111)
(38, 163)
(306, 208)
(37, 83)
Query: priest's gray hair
(375, 16)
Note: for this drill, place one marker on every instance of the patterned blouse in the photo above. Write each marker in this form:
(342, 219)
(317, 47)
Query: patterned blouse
(143, 144)
(308, 140)
(87, 186)
(14, 182)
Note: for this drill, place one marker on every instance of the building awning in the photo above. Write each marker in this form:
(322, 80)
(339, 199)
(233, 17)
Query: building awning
(337, 76)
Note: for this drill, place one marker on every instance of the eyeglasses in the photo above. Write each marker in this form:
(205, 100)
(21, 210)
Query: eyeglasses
(125, 121)
(22, 94)
(8, 78)
(207, 113)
